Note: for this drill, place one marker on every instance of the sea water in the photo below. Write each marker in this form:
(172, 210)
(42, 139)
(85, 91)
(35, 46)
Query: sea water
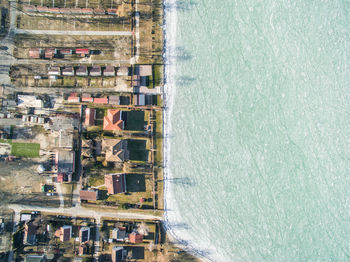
(258, 128)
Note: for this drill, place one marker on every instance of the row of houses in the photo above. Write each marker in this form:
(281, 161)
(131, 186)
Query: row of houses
(51, 52)
(111, 100)
(33, 119)
(83, 71)
(73, 11)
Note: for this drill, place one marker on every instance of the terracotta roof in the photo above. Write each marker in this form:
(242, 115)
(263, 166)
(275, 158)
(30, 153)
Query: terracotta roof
(42, 9)
(82, 51)
(135, 238)
(101, 100)
(88, 195)
(112, 11)
(65, 10)
(113, 120)
(54, 10)
(86, 10)
(99, 11)
(116, 150)
(66, 51)
(87, 99)
(34, 52)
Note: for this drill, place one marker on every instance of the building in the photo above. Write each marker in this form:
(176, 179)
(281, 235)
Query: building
(109, 71)
(73, 98)
(26, 101)
(112, 11)
(66, 233)
(123, 71)
(65, 11)
(82, 71)
(135, 238)
(68, 71)
(113, 120)
(136, 80)
(98, 11)
(84, 234)
(90, 114)
(83, 249)
(87, 98)
(54, 71)
(66, 52)
(50, 53)
(118, 254)
(29, 8)
(95, 71)
(88, 195)
(42, 9)
(76, 11)
(82, 51)
(101, 100)
(35, 258)
(30, 232)
(139, 100)
(65, 164)
(54, 10)
(87, 11)
(115, 150)
(35, 52)
(143, 70)
(115, 183)
(119, 233)
(113, 100)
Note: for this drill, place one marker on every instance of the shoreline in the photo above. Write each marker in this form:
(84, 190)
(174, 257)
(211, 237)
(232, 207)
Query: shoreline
(169, 70)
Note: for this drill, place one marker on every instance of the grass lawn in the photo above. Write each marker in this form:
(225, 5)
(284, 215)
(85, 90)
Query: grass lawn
(25, 149)
(157, 74)
(135, 120)
(96, 180)
(137, 150)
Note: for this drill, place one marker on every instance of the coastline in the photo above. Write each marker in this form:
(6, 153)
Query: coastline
(169, 91)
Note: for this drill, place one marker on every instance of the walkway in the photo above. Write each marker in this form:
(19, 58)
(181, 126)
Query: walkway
(62, 32)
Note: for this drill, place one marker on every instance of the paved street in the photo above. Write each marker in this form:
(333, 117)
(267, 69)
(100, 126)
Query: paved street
(63, 32)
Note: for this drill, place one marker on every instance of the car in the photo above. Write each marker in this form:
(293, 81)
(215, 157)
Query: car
(35, 212)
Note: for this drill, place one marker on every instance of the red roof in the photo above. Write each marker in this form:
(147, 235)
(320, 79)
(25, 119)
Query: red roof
(61, 177)
(65, 10)
(87, 10)
(88, 195)
(29, 8)
(112, 11)
(87, 99)
(84, 51)
(34, 53)
(101, 100)
(99, 11)
(90, 116)
(135, 238)
(113, 120)
(74, 99)
(54, 10)
(42, 8)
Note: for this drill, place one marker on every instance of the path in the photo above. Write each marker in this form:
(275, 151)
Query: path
(83, 212)
(60, 194)
(62, 32)
(65, 61)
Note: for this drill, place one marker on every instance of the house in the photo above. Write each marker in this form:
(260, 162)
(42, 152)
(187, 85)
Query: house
(95, 71)
(115, 183)
(87, 11)
(84, 234)
(30, 232)
(66, 52)
(83, 249)
(65, 164)
(75, 11)
(82, 71)
(87, 98)
(123, 71)
(98, 11)
(68, 71)
(54, 10)
(136, 80)
(65, 10)
(113, 120)
(143, 70)
(82, 51)
(90, 114)
(26, 101)
(135, 238)
(118, 254)
(113, 100)
(112, 11)
(54, 71)
(73, 98)
(101, 100)
(61, 177)
(109, 71)
(35, 258)
(119, 233)
(29, 8)
(42, 9)
(88, 195)
(115, 150)
(66, 233)
(35, 52)
(139, 100)
(50, 53)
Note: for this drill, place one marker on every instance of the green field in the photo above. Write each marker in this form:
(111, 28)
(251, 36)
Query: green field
(25, 149)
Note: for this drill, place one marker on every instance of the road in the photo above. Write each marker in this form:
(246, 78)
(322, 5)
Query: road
(52, 90)
(65, 61)
(62, 32)
(82, 212)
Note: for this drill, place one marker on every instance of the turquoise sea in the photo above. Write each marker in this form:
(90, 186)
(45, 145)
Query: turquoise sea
(258, 128)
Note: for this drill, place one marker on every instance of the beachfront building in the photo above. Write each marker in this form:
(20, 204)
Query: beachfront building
(113, 120)
(115, 183)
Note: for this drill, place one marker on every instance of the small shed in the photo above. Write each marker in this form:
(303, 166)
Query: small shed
(82, 71)
(68, 71)
(109, 71)
(95, 71)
